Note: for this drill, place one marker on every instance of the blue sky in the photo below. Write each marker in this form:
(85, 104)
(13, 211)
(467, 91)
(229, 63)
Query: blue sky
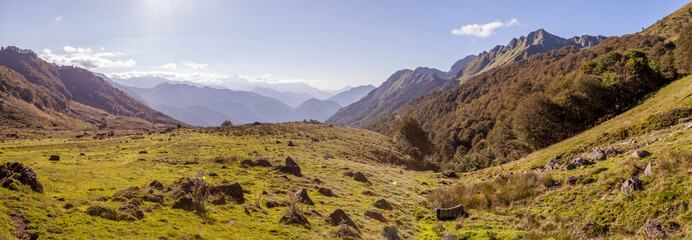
(324, 43)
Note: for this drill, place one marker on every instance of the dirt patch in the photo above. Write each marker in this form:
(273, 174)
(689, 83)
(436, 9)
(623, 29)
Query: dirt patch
(21, 226)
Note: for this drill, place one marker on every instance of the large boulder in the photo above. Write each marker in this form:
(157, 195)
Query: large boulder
(450, 213)
(16, 171)
(263, 162)
(359, 176)
(302, 196)
(326, 192)
(597, 154)
(631, 184)
(375, 215)
(339, 217)
(640, 154)
(611, 152)
(290, 162)
(383, 204)
(233, 190)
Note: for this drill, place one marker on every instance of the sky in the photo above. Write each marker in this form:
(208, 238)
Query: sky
(327, 44)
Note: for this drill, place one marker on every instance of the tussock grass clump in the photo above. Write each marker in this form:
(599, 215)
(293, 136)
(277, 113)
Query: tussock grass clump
(501, 191)
(675, 161)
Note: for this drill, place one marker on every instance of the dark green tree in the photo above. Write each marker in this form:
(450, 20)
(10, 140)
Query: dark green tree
(683, 52)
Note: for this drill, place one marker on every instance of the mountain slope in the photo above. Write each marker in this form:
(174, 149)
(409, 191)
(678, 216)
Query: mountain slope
(671, 25)
(62, 93)
(539, 41)
(513, 110)
(352, 95)
(397, 90)
(316, 109)
(589, 201)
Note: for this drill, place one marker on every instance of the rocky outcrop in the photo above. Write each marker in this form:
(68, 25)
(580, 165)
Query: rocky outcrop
(596, 154)
(640, 154)
(631, 185)
(11, 172)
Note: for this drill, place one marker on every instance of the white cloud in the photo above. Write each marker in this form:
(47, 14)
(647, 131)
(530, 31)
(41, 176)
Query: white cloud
(484, 30)
(194, 66)
(86, 58)
(58, 18)
(170, 66)
(198, 77)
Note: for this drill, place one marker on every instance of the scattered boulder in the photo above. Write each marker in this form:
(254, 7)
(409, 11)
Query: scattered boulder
(383, 204)
(339, 217)
(290, 162)
(631, 184)
(16, 171)
(450, 213)
(640, 154)
(317, 181)
(290, 144)
(325, 157)
(156, 185)
(687, 126)
(368, 193)
(375, 215)
(81, 154)
(654, 230)
(187, 204)
(552, 165)
(302, 196)
(233, 190)
(278, 142)
(293, 170)
(348, 173)
(648, 170)
(326, 192)
(291, 167)
(579, 162)
(611, 152)
(359, 176)
(143, 152)
(683, 120)
(597, 154)
(247, 163)
(54, 158)
(263, 162)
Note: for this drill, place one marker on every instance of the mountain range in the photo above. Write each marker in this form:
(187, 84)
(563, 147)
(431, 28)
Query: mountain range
(405, 85)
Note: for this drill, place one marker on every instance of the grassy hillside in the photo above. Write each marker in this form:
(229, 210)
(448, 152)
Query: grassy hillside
(671, 25)
(508, 112)
(518, 199)
(77, 182)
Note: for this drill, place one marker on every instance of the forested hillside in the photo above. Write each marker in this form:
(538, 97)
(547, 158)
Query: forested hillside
(511, 111)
